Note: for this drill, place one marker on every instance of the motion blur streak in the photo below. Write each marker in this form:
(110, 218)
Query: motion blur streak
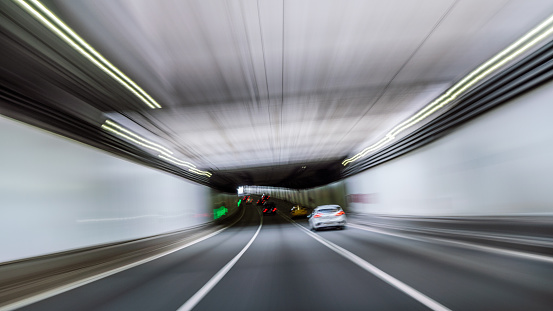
(117, 126)
(427, 301)
(109, 126)
(112, 71)
(199, 295)
(186, 164)
(328, 267)
(450, 207)
(451, 240)
(141, 141)
(535, 36)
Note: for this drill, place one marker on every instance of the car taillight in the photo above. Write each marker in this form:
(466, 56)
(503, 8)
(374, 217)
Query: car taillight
(274, 209)
(317, 215)
(340, 213)
(264, 210)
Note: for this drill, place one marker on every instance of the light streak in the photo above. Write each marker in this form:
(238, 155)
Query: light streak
(163, 152)
(517, 48)
(85, 49)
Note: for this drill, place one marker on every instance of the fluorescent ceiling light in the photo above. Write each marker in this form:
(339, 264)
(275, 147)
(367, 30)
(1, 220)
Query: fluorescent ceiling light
(57, 26)
(483, 71)
(140, 138)
(163, 152)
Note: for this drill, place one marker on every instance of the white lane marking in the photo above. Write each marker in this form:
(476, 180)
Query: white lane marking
(420, 297)
(200, 294)
(70, 286)
(489, 249)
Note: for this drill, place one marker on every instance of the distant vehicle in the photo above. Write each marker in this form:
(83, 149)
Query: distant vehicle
(247, 199)
(263, 199)
(269, 208)
(298, 211)
(327, 216)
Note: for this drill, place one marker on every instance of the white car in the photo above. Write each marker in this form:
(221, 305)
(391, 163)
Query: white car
(326, 216)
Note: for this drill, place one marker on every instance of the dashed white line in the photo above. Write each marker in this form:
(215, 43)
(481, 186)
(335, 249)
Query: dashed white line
(200, 294)
(420, 297)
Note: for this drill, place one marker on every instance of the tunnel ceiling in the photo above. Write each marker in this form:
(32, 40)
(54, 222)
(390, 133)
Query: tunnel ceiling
(260, 92)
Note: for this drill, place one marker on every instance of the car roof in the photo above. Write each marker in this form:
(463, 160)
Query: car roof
(328, 206)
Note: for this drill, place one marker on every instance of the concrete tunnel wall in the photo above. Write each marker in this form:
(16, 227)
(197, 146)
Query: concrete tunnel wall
(57, 194)
(500, 163)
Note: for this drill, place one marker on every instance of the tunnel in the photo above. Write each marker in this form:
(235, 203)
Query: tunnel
(276, 155)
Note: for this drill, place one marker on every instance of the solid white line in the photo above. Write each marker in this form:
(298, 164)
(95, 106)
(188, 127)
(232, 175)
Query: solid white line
(200, 294)
(420, 297)
(70, 286)
(445, 241)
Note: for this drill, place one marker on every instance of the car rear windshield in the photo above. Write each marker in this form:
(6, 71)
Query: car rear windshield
(328, 210)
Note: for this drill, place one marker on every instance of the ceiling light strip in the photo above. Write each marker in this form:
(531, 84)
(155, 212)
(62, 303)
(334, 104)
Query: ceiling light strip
(373, 147)
(129, 137)
(117, 126)
(190, 169)
(517, 48)
(114, 72)
(178, 161)
(173, 160)
(163, 152)
(90, 49)
(204, 173)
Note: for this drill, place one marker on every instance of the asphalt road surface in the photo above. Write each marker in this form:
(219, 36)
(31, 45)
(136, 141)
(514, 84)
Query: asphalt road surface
(271, 263)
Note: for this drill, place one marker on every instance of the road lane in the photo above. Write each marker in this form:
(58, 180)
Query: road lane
(460, 278)
(162, 284)
(285, 269)
(202, 292)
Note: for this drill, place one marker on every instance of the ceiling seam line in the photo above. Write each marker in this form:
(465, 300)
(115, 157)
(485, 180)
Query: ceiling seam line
(446, 13)
(265, 70)
(257, 95)
(281, 83)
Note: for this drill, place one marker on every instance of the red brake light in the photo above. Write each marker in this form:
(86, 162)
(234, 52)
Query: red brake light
(317, 215)
(340, 213)
(264, 210)
(274, 209)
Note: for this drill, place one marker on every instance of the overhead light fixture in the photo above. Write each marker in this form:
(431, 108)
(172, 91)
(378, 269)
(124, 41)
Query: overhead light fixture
(110, 124)
(163, 152)
(196, 171)
(57, 26)
(191, 167)
(483, 71)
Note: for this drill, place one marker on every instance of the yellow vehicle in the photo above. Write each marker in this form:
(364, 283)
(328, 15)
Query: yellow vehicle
(298, 211)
